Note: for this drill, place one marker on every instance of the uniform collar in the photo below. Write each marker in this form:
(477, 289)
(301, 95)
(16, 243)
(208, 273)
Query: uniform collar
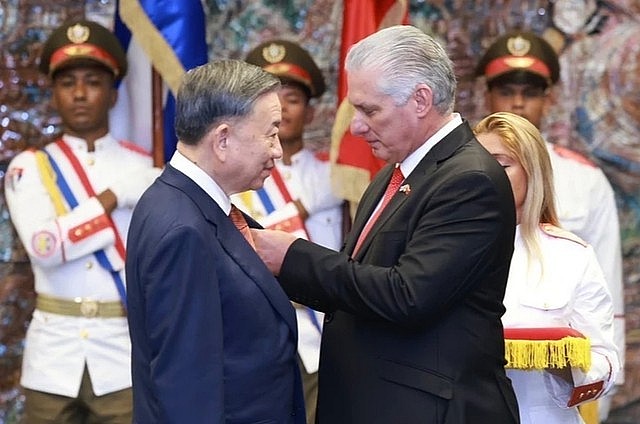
(77, 143)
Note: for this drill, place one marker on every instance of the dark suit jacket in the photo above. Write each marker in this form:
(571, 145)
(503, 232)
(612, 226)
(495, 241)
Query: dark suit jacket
(213, 334)
(413, 333)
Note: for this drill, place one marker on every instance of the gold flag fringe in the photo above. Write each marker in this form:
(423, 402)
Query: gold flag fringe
(542, 354)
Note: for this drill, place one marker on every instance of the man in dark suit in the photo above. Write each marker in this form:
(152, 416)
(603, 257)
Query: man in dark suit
(213, 334)
(413, 302)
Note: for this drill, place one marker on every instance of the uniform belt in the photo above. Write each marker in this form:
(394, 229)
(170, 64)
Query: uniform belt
(80, 307)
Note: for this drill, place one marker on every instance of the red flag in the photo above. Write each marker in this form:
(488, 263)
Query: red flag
(353, 162)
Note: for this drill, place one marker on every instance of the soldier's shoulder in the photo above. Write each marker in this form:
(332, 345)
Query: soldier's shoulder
(560, 233)
(133, 147)
(573, 155)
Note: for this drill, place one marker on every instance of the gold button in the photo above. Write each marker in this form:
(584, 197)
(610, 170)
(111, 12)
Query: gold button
(90, 161)
(84, 334)
(89, 265)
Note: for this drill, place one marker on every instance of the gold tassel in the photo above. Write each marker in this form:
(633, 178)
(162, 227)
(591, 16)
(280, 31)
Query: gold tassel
(542, 354)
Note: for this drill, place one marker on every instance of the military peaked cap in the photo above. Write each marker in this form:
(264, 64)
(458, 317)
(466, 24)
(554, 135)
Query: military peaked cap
(80, 42)
(520, 54)
(288, 60)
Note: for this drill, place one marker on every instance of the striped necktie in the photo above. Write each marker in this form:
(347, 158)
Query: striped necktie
(241, 224)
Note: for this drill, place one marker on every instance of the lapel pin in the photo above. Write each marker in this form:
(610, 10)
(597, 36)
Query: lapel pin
(405, 188)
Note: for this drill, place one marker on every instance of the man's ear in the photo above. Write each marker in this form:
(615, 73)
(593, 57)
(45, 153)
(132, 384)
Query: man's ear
(309, 113)
(54, 102)
(114, 98)
(487, 99)
(423, 96)
(549, 100)
(218, 139)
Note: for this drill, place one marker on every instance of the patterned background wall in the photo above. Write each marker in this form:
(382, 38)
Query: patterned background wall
(598, 112)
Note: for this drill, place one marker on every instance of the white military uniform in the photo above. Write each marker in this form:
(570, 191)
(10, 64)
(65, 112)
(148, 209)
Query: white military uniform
(586, 206)
(307, 179)
(569, 291)
(61, 252)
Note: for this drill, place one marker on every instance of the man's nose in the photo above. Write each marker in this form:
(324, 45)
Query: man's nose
(277, 149)
(79, 90)
(357, 125)
(518, 98)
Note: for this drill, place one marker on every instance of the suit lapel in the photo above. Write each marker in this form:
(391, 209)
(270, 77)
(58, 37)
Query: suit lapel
(234, 244)
(444, 149)
(368, 202)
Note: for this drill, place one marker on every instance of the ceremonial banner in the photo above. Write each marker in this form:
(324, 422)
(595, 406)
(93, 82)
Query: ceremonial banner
(172, 33)
(131, 118)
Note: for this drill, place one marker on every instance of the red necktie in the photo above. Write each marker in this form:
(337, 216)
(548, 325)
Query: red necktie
(392, 188)
(241, 224)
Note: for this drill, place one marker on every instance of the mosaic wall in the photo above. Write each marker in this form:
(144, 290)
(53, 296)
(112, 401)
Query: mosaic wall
(25, 120)
(599, 113)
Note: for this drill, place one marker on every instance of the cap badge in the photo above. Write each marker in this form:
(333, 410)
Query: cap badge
(518, 46)
(274, 53)
(78, 34)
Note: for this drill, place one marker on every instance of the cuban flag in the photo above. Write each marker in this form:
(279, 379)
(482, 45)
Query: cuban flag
(169, 35)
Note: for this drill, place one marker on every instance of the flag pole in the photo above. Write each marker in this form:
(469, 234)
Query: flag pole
(158, 124)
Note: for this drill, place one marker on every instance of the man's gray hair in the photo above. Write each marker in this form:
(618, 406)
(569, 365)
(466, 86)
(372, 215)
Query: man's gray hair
(406, 57)
(218, 90)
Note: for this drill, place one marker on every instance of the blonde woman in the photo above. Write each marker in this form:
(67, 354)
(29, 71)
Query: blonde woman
(555, 281)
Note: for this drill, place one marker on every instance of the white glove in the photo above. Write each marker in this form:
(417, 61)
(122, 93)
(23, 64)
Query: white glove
(130, 185)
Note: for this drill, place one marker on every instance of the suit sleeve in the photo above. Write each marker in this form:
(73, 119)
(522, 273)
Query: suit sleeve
(427, 257)
(184, 323)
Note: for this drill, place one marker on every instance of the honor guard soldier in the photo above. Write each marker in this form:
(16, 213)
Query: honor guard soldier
(298, 197)
(71, 204)
(520, 69)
